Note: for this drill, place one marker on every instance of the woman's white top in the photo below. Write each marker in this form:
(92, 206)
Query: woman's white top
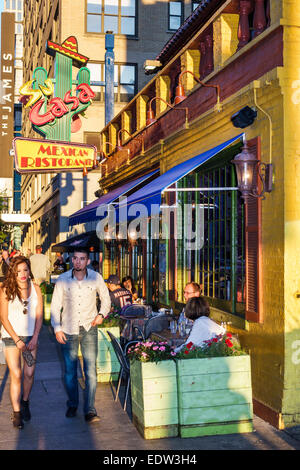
(23, 324)
(203, 329)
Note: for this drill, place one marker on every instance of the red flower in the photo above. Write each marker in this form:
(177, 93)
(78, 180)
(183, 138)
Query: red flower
(229, 335)
(189, 345)
(229, 343)
(186, 351)
(215, 340)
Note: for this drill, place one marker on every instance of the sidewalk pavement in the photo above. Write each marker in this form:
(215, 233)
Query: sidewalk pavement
(49, 429)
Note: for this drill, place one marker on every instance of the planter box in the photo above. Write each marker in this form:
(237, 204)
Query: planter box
(47, 305)
(214, 396)
(154, 398)
(108, 366)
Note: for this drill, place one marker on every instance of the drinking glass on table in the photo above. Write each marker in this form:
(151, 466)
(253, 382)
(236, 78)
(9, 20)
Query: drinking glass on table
(148, 311)
(188, 327)
(181, 329)
(173, 326)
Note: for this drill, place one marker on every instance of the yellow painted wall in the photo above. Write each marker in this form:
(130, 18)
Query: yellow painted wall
(290, 84)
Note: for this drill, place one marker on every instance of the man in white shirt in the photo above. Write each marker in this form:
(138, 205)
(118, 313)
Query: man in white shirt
(40, 265)
(75, 320)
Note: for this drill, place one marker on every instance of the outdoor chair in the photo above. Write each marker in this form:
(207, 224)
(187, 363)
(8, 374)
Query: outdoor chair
(124, 365)
(156, 324)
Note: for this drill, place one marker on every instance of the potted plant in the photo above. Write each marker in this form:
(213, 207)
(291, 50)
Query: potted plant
(108, 366)
(154, 389)
(214, 388)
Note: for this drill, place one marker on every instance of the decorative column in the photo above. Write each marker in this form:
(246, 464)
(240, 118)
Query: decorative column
(141, 111)
(259, 18)
(244, 30)
(162, 89)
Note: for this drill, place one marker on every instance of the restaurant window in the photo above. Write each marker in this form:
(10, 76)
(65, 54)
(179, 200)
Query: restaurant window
(175, 15)
(92, 138)
(125, 76)
(137, 266)
(124, 259)
(125, 81)
(217, 260)
(118, 16)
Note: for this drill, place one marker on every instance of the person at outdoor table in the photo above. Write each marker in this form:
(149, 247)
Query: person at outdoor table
(21, 315)
(204, 328)
(75, 320)
(59, 265)
(192, 289)
(128, 283)
(119, 296)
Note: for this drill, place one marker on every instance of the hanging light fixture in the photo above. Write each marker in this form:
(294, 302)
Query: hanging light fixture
(151, 115)
(138, 137)
(248, 168)
(180, 93)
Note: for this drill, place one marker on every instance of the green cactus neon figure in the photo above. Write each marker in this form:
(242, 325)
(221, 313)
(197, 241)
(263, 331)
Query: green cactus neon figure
(53, 117)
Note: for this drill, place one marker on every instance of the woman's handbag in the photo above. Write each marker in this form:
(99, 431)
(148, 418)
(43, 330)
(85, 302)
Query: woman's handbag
(28, 358)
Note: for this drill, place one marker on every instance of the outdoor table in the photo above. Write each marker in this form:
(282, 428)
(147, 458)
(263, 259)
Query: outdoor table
(128, 333)
(173, 339)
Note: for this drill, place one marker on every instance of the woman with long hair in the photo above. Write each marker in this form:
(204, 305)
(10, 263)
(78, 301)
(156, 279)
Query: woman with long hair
(128, 283)
(21, 314)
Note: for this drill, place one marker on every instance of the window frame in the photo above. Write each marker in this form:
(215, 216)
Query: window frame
(220, 285)
(119, 16)
(176, 16)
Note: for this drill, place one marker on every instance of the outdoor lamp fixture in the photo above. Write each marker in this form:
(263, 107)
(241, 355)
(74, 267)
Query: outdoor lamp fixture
(102, 154)
(138, 137)
(151, 115)
(247, 168)
(180, 93)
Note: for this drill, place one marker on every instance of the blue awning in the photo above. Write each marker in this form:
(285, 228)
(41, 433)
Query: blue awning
(149, 197)
(88, 213)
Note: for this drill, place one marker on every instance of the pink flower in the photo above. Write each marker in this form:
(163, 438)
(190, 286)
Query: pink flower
(155, 348)
(162, 348)
(173, 353)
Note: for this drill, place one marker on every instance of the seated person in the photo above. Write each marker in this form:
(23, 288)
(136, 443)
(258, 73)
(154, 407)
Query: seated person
(128, 283)
(119, 296)
(59, 265)
(204, 329)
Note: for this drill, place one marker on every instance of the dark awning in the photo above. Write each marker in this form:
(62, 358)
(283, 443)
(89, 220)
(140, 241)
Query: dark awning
(87, 240)
(88, 213)
(149, 197)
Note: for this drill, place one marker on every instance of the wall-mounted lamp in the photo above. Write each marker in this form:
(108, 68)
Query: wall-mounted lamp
(151, 115)
(247, 168)
(180, 93)
(138, 137)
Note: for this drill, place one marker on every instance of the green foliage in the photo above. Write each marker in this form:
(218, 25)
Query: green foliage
(47, 288)
(113, 319)
(220, 346)
(151, 351)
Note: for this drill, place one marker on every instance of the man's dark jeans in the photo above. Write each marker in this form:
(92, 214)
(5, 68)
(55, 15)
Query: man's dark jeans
(88, 341)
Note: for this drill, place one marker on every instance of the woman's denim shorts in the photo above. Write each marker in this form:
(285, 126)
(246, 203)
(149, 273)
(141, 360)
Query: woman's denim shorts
(9, 342)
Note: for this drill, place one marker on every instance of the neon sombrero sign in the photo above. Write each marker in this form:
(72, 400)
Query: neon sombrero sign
(54, 110)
